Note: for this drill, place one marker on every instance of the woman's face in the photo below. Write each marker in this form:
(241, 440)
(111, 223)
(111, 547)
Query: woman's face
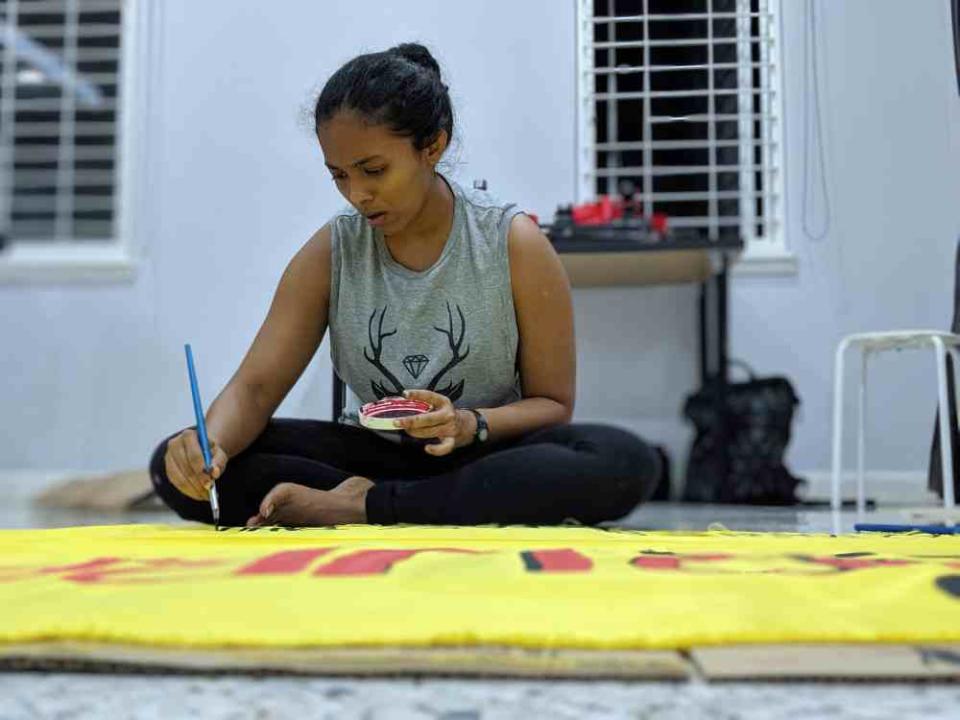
(378, 172)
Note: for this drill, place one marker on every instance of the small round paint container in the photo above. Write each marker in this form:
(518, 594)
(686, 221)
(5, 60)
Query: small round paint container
(381, 414)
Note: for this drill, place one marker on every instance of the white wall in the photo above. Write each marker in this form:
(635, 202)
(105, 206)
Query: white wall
(891, 121)
(94, 376)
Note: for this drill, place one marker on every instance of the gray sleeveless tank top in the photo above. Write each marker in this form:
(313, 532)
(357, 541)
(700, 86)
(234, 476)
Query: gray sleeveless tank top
(450, 328)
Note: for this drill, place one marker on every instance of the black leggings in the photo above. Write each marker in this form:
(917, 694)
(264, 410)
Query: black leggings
(589, 473)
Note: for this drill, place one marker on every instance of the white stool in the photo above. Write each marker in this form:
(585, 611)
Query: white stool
(870, 343)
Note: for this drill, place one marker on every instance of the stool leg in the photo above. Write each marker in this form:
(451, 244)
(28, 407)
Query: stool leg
(861, 437)
(946, 445)
(837, 433)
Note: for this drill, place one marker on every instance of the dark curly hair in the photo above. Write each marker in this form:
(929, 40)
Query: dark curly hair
(400, 88)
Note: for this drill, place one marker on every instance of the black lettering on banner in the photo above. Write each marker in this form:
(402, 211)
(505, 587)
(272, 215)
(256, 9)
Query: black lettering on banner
(950, 584)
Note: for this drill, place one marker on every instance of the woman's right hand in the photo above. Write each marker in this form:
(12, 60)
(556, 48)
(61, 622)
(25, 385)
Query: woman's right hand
(184, 464)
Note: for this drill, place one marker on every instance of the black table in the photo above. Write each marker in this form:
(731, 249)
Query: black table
(692, 259)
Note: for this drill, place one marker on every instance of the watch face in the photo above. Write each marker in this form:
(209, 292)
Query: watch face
(482, 434)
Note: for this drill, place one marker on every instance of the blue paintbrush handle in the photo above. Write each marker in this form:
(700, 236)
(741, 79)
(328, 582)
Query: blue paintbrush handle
(892, 528)
(198, 410)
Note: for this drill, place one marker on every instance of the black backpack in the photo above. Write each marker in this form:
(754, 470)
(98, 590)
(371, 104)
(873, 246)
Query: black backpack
(758, 414)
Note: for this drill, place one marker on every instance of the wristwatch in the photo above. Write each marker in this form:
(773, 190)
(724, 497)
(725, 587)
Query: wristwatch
(483, 430)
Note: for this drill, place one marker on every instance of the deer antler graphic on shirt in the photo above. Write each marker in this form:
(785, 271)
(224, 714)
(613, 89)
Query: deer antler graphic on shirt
(377, 348)
(450, 390)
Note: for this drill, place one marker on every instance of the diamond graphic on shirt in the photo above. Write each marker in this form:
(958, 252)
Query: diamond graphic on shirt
(415, 364)
(455, 334)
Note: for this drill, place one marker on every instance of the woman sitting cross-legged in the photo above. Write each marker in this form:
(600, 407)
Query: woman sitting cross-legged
(429, 290)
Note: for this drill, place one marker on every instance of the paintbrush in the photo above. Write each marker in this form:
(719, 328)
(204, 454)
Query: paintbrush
(202, 433)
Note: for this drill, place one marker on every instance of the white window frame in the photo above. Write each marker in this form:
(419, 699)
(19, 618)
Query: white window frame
(113, 260)
(767, 255)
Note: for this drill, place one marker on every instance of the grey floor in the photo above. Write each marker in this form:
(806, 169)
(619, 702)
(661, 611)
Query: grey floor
(21, 513)
(115, 697)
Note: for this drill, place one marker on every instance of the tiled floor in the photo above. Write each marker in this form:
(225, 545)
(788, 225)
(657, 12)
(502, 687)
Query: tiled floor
(118, 698)
(54, 695)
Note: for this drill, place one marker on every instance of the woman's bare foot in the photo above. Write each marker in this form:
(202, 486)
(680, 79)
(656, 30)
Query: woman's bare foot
(292, 504)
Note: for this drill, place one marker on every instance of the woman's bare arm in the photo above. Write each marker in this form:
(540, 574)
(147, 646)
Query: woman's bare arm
(282, 348)
(548, 360)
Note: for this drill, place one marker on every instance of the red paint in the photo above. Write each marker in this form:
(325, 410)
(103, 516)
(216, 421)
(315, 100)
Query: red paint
(560, 560)
(90, 571)
(288, 562)
(674, 562)
(375, 562)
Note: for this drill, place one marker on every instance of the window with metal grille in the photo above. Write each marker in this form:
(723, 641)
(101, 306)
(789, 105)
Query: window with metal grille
(679, 102)
(59, 104)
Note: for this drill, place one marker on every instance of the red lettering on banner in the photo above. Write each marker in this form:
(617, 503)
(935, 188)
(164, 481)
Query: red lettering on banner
(109, 570)
(559, 560)
(90, 571)
(76, 572)
(377, 562)
(664, 561)
(113, 569)
(288, 562)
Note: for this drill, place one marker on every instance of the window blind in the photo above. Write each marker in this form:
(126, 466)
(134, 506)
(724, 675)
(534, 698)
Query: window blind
(59, 82)
(679, 103)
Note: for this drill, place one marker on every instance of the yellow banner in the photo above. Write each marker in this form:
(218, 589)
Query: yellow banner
(532, 587)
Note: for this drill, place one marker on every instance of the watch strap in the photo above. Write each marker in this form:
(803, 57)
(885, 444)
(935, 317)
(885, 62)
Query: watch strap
(482, 432)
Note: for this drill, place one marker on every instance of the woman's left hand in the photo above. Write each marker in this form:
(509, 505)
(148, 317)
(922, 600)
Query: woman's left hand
(444, 422)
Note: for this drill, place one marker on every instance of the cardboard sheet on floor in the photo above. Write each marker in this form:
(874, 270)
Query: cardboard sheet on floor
(795, 662)
(473, 660)
(448, 587)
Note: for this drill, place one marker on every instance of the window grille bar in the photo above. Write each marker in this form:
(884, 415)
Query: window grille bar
(51, 205)
(49, 104)
(678, 16)
(701, 196)
(27, 155)
(704, 222)
(55, 129)
(674, 145)
(635, 69)
(713, 231)
(719, 117)
(647, 135)
(8, 87)
(586, 109)
(683, 169)
(766, 78)
(685, 42)
(92, 78)
(38, 231)
(88, 31)
(693, 92)
(98, 54)
(612, 119)
(744, 103)
(36, 179)
(53, 7)
(66, 132)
